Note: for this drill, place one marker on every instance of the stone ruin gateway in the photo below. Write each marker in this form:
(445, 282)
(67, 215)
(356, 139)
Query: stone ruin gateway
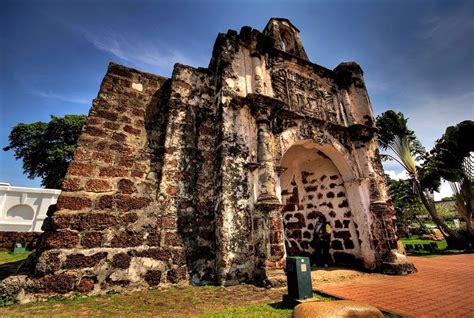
(197, 177)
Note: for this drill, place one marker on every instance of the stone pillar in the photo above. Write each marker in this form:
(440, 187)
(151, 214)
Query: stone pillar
(266, 166)
(268, 239)
(235, 261)
(267, 218)
(357, 191)
(369, 196)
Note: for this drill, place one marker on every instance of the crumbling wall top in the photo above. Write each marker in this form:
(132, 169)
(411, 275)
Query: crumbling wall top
(286, 35)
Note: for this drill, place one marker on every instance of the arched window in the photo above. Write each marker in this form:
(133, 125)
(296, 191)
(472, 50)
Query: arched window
(21, 212)
(287, 42)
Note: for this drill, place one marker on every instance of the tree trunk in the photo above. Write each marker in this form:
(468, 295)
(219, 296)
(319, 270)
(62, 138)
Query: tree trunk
(451, 236)
(468, 197)
(469, 225)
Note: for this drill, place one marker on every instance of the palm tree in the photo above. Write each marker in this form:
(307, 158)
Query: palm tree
(394, 135)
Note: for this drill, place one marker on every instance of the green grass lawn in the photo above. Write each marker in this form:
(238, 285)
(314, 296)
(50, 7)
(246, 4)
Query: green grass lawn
(441, 244)
(204, 302)
(259, 310)
(7, 257)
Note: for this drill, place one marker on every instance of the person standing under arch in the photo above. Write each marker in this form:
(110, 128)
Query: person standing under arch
(321, 243)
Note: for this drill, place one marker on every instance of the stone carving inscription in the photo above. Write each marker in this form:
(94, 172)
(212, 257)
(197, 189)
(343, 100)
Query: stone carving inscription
(304, 95)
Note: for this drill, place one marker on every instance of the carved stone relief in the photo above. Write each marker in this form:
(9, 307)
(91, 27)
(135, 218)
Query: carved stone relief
(304, 95)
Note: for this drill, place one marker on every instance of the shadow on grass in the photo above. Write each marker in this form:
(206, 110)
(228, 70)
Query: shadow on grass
(281, 305)
(290, 305)
(8, 269)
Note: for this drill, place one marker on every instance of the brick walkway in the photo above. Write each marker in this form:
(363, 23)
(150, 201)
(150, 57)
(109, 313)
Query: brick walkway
(443, 287)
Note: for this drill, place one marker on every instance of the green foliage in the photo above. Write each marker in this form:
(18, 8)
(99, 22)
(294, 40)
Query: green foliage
(447, 199)
(447, 159)
(451, 160)
(46, 148)
(464, 200)
(393, 134)
(7, 300)
(56, 299)
(110, 293)
(406, 202)
(446, 211)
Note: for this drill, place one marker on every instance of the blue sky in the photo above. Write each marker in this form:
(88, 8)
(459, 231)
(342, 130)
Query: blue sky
(418, 56)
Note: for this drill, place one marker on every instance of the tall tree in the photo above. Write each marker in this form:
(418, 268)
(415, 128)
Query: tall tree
(46, 148)
(451, 159)
(395, 135)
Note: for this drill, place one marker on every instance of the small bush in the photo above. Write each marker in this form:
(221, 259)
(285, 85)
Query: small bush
(7, 300)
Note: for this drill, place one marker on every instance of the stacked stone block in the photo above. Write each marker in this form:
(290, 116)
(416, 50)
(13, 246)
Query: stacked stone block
(109, 230)
(7, 239)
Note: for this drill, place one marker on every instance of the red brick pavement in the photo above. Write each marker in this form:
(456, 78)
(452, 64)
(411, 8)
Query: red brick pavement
(443, 287)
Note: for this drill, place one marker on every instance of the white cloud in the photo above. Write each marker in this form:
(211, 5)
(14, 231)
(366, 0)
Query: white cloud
(403, 175)
(140, 52)
(444, 191)
(63, 98)
(449, 31)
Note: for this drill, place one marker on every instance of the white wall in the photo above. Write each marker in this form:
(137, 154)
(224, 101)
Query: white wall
(24, 209)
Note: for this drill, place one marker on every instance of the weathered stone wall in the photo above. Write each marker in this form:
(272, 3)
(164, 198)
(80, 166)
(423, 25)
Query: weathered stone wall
(138, 202)
(305, 102)
(109, 230)
(195, 178)
(7, 239)
(187, 192)
(313, 192)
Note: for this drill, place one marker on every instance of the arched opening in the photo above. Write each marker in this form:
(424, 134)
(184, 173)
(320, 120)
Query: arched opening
(317, 217)
(287, 42)
(21, 212)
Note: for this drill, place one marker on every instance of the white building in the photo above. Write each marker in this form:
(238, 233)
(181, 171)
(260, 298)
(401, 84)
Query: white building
(24, 209)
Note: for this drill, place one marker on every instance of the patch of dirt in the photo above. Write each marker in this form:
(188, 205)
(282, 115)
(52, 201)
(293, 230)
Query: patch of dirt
(335, 275)
(326, 276)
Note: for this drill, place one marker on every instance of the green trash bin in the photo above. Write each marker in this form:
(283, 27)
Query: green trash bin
(18, 247)
(298, 276)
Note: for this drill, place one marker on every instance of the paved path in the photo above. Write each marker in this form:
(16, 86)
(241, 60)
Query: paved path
(443, 287)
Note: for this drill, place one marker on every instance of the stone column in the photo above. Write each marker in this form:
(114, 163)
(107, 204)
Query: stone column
(379, 215)
(267, 218)
(266, 166)
(357, 191)
(268, 239)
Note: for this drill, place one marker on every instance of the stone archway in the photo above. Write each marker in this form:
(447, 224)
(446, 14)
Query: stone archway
(313, 190)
